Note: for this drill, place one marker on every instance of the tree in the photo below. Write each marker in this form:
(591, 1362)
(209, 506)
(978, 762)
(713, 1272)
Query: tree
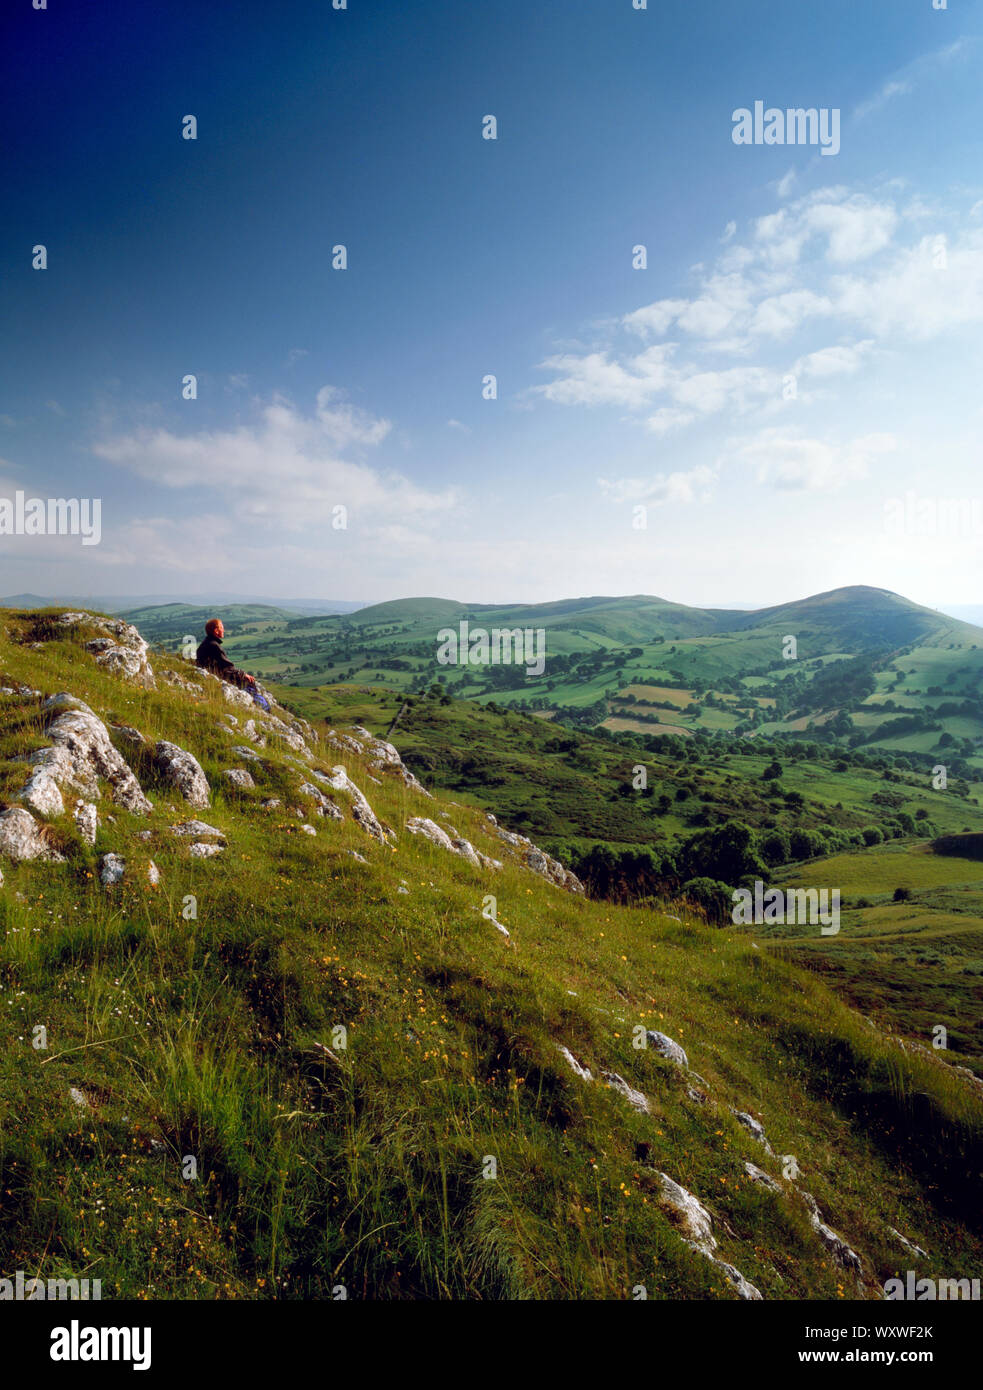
(711, 895)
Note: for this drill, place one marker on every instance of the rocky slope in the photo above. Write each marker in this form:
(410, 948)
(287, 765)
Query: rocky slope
(197, 894)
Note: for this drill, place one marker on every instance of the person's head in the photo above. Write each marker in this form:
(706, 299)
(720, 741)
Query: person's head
(214, 628)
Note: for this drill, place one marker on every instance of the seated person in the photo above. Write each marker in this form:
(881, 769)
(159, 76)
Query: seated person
(211, 657)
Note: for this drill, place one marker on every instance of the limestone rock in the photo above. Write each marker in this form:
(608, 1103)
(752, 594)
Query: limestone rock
(692, 1215)
(634, 1098)
(834, 1243)
(362, 812)
(198, 829)
(128, 734)
(87, 821)
(199, 850)
(41, 794)
(121, 650)
(758, 1175)
(111, 869)
(541, 863)
(21, 837)
(575, 1066)
(753, 1126)
(181, 770)
(911, 1248)
(81, 753)
(325, 807)
(239, 777)
(666, 1047)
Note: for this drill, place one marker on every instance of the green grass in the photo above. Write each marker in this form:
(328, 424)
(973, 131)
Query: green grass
(196, 1037)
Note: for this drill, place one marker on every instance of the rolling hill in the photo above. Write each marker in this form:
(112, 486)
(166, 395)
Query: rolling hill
(278, 1019)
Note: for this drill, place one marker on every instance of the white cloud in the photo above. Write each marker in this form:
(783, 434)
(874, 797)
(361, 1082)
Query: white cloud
(687, 487)
(834, 361)
(595, 380)
(285, 469)
(790, 462)
(913, 75)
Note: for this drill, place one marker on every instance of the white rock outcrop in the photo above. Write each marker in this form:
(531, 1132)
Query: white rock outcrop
(182, 771)
(575, 1066)
(239, 777)
(541, 863)
(22, 838)
(112, 867)
(87, 821)
(697, 1226)
(634, 1098)
(753, 1126)
(362, 812)
(666, 1047)
(121, 650)
(80, 756)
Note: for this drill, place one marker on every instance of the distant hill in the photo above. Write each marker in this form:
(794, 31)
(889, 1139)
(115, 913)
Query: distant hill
(115, 603)
(869, 666)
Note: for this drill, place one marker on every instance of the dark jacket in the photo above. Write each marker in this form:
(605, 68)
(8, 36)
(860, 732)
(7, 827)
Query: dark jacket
(211, 656)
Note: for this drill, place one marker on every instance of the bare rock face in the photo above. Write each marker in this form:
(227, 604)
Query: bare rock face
(21, 837)
(81, 754)
(385, 758)
(634, 1098)
(324, 806)
(112, 867)
(666, 1047)
(121, 651)
(758, 1175)
(834, 1243)
(693, 1217)
(41, 794)
(239, 777)
(192, 686)
(128, 734)
(575, 1066)
(454, 843)
(753, 1127)
(199, 830)
(87, 821)
(362, 812)
(541, 863)
(697, 1229)
(202, 851)
(181, 770)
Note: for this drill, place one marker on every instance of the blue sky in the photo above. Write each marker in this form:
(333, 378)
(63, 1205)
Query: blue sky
(859, 275)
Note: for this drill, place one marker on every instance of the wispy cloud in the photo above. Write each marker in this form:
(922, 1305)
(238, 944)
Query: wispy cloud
(912, 75)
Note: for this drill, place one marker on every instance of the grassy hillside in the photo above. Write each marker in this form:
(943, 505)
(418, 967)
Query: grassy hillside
(448, 1150)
